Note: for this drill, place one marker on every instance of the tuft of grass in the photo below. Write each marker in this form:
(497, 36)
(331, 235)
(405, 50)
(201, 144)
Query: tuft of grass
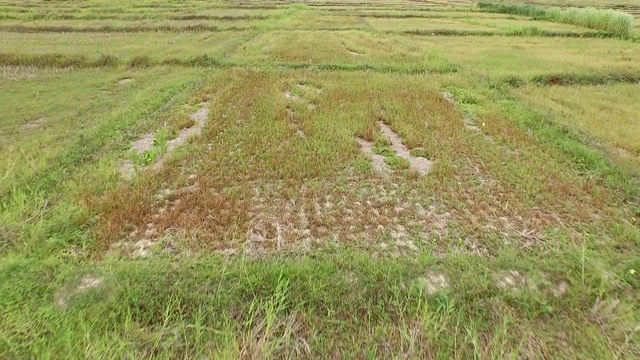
(419, 152)
(397, 162)
(107, 61)
(51, 60)
(141, 61)
(383, 150)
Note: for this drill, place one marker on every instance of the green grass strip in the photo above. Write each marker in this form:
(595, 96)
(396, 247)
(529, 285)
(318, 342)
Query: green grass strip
(608, 20)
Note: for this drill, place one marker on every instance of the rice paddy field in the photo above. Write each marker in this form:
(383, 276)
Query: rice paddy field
(325, 179)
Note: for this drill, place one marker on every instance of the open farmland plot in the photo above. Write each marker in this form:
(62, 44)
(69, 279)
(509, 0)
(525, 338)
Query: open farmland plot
(357, 179)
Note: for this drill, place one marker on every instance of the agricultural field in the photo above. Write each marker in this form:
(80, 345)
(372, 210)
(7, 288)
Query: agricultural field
(355, 179)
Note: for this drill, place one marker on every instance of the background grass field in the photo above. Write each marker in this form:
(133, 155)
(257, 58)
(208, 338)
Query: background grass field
(270, 231)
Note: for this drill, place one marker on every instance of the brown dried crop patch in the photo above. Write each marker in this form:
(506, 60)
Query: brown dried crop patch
(260, 188)
(349, 209)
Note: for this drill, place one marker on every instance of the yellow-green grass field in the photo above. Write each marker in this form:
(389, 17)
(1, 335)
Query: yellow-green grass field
(157, 45)
(280, 180)
(609, 114)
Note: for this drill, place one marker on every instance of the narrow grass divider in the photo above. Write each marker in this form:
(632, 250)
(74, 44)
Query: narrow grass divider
(130, 17)
(616, 22)
(57, 60)
(573, 79)
(119, 29)
(529, 31)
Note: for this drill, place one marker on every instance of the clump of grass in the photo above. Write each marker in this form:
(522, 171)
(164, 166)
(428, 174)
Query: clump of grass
(444, 32)
(419, 152)
(600, 19)
(182, 122)
(514, 9)
(202, 60)
(159, 148)
(162, 139)
(585, 79)
(117, 29)
(383, 150)
(439, 63)
(616, 22)
(397, 162)
(107, 61)
(145, 158)
(381, 141)
(141, 62)
(219, 17)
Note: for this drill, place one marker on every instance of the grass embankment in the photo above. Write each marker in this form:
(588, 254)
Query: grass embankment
(608, 20)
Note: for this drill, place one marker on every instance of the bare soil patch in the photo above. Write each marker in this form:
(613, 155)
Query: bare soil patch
(200, 118)
(290, 96)
(352, 52)
(125, 81)
(16, 73)
(418, 164)
(35, 124)
(377, 160)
